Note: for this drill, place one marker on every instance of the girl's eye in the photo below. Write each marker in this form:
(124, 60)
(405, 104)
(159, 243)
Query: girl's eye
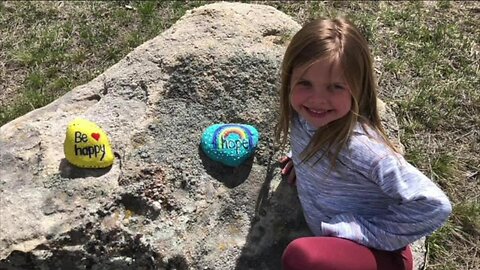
(304, 83)
(337, 87)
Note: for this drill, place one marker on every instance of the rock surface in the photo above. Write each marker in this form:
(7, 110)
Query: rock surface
(163, 204)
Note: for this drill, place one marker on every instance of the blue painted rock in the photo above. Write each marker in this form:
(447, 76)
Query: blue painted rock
(229, 144)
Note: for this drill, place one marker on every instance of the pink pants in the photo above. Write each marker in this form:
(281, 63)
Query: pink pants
(330, 253)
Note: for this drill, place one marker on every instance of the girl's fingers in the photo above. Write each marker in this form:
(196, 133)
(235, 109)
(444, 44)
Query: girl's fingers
(284, 159)
(292, 177)
(286, 169)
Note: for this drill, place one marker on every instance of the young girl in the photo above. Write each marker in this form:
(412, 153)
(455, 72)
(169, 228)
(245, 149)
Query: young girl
(363, 202)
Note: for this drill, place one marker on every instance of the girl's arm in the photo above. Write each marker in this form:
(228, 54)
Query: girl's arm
(421, 209)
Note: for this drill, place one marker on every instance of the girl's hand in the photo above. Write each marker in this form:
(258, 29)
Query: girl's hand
(288, 169)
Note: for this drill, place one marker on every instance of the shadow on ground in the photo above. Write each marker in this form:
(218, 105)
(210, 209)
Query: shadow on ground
(68, 170)
(231, 177)
(278, 220)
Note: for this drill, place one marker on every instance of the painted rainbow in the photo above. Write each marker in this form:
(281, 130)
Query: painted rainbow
(225, 130)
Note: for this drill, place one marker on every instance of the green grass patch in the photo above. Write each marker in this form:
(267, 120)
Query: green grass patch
(62, 45)
(469, 218)
(437, 113)
(463, 230)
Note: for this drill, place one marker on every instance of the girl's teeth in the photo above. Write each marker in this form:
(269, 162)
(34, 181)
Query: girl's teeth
(317, 111)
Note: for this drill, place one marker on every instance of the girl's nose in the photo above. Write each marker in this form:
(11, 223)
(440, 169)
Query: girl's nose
(320, 93)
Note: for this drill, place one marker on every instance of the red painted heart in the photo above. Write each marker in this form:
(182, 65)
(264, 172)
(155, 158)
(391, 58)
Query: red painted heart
(96, 136)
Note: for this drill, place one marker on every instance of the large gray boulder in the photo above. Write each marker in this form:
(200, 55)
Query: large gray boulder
(163, 204)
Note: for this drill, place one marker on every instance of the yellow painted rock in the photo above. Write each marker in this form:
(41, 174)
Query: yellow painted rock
(86, 145)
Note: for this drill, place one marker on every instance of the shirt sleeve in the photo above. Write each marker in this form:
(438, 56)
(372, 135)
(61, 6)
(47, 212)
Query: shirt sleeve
(420, 208)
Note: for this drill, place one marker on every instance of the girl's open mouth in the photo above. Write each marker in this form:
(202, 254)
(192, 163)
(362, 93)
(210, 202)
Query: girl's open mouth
(317, 113)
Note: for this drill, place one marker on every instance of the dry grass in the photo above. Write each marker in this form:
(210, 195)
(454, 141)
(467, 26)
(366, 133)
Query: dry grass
(427, 58)
(48, 48)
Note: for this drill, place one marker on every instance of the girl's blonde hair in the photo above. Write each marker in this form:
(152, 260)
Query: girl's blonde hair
(338, 40)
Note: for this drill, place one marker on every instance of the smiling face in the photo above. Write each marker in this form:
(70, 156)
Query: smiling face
(320, 93)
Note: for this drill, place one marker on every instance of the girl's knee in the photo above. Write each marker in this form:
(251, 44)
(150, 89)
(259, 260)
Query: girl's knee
(298, 255)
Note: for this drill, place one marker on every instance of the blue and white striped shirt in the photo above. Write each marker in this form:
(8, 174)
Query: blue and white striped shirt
(373, 196)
